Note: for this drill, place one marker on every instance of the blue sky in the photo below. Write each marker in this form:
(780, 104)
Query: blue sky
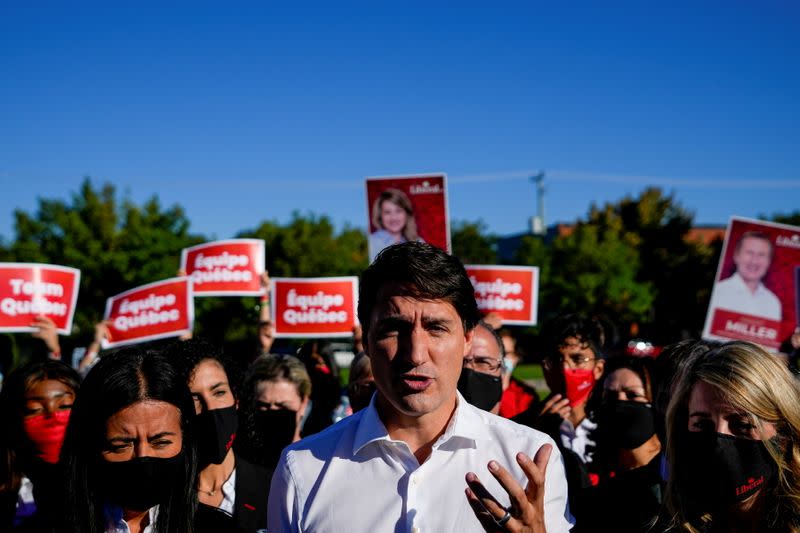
(245, 111)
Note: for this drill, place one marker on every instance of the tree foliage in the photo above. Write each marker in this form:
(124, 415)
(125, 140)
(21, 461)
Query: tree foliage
(472, 244)
(631, 261)
(116, 245)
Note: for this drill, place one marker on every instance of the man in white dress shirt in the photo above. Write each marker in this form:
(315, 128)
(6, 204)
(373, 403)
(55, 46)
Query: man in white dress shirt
(406, 463)
(744, 291)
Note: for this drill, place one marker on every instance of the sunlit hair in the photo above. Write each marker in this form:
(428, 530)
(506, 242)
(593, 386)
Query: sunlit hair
(419, 271)
(751, 381)
(250, 442)
(400, 199)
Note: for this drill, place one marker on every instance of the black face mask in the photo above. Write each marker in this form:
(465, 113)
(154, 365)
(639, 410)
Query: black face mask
(626, 425)
(140, 483)
(722, 469)
(480, 389)
(276, 430)
(216, 430)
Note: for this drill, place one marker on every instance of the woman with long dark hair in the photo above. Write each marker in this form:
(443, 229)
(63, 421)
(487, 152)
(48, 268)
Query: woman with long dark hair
(129, 456)
(35, 407)
(225, 480)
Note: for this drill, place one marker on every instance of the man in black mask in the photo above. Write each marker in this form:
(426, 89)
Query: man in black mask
(480, 382)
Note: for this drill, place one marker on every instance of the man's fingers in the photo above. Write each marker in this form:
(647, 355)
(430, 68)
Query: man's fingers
(515, 491)
(535, 470)
(483, 516)
(549, 405)
(485, 499)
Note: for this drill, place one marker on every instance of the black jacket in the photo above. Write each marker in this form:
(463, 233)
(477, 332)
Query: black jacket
(252, 493)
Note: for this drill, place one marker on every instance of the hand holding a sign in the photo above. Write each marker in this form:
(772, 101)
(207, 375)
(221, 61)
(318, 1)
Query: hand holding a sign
(101, 333)
(47, 331)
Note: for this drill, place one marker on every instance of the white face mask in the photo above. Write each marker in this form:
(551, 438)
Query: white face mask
(508, 365)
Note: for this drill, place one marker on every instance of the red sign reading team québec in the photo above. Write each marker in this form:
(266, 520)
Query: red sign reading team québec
(225, 268)
(29, 290)
(314, 307)
(509, 291)
(153, 311)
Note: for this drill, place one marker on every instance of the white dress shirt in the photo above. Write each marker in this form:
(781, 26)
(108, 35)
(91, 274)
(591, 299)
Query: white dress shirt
(732, 294)
(228, 493)
(116, 524)
(578, 439)
(354, 477)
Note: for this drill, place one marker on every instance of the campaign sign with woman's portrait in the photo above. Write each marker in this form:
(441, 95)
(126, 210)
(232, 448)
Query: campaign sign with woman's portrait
(407, 208)
(753, 298)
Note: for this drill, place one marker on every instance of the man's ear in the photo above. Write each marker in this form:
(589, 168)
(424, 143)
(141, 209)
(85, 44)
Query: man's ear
(599, 366)
(468, 336)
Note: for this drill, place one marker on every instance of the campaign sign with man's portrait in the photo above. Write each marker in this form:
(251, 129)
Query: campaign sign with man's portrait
(754, 297)
(407, 208)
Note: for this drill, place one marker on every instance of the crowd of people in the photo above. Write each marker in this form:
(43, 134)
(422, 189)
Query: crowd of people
(431, 432)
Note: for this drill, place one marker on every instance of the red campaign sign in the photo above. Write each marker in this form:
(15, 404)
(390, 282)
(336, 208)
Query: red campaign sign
(404, 208)
(510, 291)
(225, 268)
(314, 307)
(153, 311)
(29, 290)
(755, 294)
(743, 327)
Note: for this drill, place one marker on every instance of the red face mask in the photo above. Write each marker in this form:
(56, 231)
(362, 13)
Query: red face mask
(47, 434)
(580, 382)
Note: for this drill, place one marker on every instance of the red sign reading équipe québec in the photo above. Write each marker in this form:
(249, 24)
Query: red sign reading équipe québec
(314, 307)
(509, 291)
(153, 311)
(30, 290)
(225, 268)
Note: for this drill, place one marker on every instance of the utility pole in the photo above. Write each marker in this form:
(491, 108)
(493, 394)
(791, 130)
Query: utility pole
(538, 226)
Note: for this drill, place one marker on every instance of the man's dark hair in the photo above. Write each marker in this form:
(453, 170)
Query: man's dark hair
(587, 330)
(495, 334)
(420, 271)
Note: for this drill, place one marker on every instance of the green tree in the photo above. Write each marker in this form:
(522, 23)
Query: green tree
(308, 246)
(473, 244)
(680, 271)
(595, 271)
(116, 245)
(792, 218)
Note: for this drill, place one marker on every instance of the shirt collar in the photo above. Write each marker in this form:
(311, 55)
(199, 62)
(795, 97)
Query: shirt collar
(466, 423)
(115, 523)
(742, 285)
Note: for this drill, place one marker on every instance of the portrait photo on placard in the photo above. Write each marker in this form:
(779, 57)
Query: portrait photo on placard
(407, 208)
